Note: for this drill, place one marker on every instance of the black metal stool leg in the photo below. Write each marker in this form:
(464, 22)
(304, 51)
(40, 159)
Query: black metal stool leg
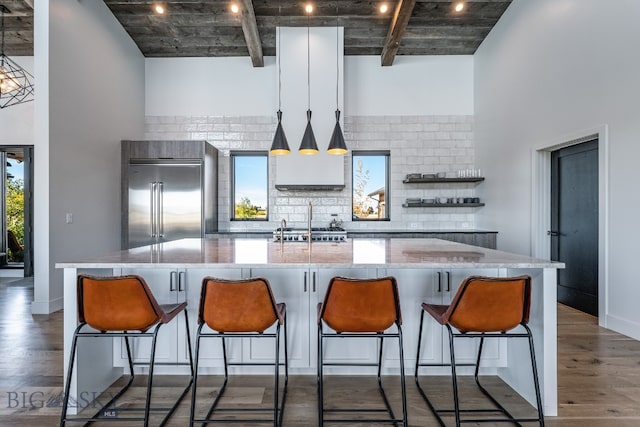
(67, 387)
(320, 379)
(536, 381)
(152, 360)
(195, 377)
(286, 372)
(224, 384)
(454, 379)
(276, 390)
(403, 384)
(380, 388)
(415, 374)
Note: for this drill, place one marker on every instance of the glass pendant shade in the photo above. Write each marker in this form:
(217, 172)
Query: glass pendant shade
(280, 146)
(337, 144)
(16, 84)
(308, 144)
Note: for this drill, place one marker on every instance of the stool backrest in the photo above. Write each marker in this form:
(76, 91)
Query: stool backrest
(120, 303)
(361, 305)
(490, 304)
(245, 305)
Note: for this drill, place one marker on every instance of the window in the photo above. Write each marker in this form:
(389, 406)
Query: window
(370, 185)
(249, 186)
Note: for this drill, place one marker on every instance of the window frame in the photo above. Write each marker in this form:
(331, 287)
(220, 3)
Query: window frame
(232, 182)
(387, 156)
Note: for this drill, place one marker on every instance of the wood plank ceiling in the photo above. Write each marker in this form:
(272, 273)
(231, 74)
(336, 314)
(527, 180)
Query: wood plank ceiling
(191, 28)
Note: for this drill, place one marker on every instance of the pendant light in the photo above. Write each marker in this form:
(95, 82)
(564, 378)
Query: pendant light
(308, 144)
(279, 146)
(336, 143)
(15, 82)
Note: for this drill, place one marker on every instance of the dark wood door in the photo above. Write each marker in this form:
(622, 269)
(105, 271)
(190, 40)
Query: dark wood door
(574, 224)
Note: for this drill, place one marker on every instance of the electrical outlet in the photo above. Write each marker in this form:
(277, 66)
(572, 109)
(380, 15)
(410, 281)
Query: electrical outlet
(69, 218)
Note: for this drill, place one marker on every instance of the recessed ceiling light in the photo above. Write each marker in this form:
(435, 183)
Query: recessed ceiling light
(384, 8)
(459, 7)
(308, 8)
(159, 9)
(235, 8)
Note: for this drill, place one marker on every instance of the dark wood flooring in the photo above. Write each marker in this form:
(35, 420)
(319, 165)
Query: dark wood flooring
(598, 376)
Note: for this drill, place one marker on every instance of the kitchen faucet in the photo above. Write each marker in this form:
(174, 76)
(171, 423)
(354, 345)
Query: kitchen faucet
(309, 216)
(283, 224)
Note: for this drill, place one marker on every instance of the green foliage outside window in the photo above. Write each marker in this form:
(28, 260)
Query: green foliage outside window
(15, 218)
(246, 209)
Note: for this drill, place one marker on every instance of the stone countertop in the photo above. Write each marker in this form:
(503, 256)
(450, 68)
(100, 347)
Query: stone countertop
(351, 232)
(365, 252)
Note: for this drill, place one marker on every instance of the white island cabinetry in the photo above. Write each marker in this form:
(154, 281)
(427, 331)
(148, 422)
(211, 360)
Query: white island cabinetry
(426, 270)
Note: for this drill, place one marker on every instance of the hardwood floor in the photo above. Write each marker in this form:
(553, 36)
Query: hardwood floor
(598, 376)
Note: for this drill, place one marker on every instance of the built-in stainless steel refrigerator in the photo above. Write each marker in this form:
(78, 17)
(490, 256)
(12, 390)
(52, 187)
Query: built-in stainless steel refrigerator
(165, 201)
(169, 191)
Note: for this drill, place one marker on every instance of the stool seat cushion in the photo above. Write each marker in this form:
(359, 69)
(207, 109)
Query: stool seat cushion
(117, 304)
(359, 306)
(486, 304)
(239, 306)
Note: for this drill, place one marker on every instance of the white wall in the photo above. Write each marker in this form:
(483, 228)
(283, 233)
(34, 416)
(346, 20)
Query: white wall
(209, 87)
(95, 98)
(16, 121)
(413, 86)
(417, 85)
(552, 68)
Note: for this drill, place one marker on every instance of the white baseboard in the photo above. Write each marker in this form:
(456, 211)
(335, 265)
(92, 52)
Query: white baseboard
(12, 272)
(623, 326)
(47, 307)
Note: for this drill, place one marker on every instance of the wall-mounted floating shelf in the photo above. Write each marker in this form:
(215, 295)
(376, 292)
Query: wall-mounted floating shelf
(442, 205)
(441, 180)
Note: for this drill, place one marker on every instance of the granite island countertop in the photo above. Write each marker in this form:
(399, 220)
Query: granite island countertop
(264, 252)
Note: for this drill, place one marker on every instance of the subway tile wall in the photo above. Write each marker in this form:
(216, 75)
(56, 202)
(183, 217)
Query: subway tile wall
(418, 144)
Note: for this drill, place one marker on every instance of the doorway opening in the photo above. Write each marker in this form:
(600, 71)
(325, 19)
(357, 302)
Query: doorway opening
(542, 237)
(574, 224)
(16, 213)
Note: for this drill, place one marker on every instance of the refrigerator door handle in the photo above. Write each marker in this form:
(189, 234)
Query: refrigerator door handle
(160, 210)
(153, 209)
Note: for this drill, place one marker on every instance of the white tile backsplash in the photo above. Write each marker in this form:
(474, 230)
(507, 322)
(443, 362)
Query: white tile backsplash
(418, 144)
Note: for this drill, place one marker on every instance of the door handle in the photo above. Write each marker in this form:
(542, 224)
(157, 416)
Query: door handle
(152, 212)
(305, 281)
(553, 233)
(439, 281)
(172, 280)
(182, 276)
(314, 281)
(160, 209)
(448, 281)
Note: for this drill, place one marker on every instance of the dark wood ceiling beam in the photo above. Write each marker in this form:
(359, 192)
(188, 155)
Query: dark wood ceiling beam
(396, 30)
(251, 34)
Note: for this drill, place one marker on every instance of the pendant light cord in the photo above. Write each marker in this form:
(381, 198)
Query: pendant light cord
(308, 64)
(337, 63)
(278, 54)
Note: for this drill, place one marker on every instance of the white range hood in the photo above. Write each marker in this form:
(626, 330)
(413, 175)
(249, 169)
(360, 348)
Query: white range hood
(310, 172)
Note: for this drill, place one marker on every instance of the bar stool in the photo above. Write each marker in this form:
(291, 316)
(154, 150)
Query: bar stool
(122, 306)
(361, 308)
(241, 309)
(483, 307)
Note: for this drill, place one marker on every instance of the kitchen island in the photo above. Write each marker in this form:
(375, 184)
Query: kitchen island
(299, 272)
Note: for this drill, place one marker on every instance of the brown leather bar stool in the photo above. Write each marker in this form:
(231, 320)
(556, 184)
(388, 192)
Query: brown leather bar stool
(122, 306)
(241, 309)
(361, 308)
(485, 308)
